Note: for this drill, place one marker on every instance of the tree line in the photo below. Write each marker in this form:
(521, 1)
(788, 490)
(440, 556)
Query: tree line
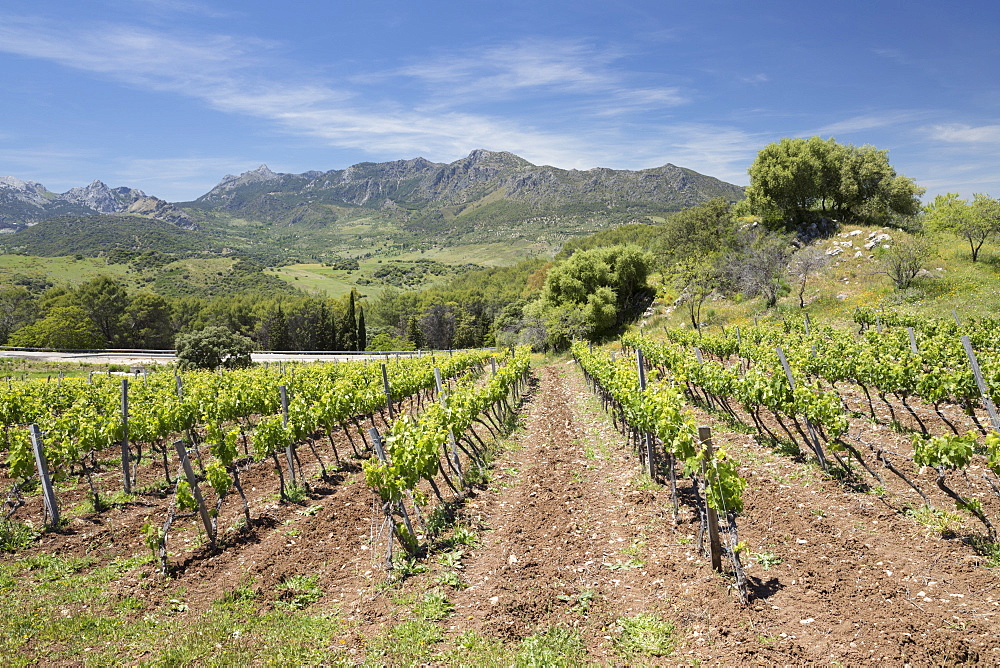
(101, 313)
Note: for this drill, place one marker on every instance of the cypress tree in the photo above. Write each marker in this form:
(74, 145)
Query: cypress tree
(362, 333)
(349, 328)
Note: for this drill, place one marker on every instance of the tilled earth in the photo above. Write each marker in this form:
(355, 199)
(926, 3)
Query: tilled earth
(570, 534)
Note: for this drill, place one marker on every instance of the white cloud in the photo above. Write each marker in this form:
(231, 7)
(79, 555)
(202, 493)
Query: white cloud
(965, 134)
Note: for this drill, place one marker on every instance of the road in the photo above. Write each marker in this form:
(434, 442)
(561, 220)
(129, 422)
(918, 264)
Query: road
(137, 358)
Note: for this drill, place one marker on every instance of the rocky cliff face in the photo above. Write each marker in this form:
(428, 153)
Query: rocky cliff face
(154, 207)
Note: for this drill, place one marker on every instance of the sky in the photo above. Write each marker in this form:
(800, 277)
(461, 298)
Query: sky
(168, 96)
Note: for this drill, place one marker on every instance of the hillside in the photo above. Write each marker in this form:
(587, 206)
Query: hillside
(96, 235)
(486, 197)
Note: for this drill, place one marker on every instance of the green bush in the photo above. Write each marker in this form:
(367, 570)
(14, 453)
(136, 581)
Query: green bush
(213, 347)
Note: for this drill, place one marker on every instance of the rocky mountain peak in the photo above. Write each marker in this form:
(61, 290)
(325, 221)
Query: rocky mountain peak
(262, 173)
(29, 192)
(99, 197)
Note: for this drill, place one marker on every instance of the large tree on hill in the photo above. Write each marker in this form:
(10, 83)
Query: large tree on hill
(796, 178)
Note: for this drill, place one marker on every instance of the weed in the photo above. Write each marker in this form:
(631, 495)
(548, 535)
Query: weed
(404, 568)
(15, 535)
(450, 579)
(242, 594)
(557, 646)
(296, 493)
(464, 536)
(434, 606)
(631, 563)
(635, 549)
(645, 634)
(176, 605)
(120, 498)
(581, 602)
(645, 482)
(299, 591)
(452, 559)
(987, 549)
(310, 511)
(766, 559)
(937, 520)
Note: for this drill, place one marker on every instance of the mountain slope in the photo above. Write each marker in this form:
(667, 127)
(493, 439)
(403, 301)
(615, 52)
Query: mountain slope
(483, 186)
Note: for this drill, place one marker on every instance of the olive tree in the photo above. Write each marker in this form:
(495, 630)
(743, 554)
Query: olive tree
(795, 178)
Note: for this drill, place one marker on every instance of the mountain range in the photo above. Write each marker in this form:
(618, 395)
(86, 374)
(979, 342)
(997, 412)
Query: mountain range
(486, 197)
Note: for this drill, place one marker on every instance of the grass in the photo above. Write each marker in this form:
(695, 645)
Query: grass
(557, 646)
(434, 606)
(645, 635)
(15, 536)
(65, 610)
(936, 520)
(405, 644)
(299, 592)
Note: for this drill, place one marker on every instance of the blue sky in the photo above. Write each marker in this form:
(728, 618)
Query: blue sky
(170, 95)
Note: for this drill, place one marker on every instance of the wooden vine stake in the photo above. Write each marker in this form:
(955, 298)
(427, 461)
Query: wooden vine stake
(913, 341)
(814, 443)
(388, 393)
(984, 391)
(714, 541)
(391, 507)
(193, 483)
(453, 444)
(125, 453)
(289, 451)
(650, 453)
(43, 474)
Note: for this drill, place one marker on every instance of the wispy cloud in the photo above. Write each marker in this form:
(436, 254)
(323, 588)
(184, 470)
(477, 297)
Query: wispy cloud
(539, 67)
(958, 133)
(872, 121)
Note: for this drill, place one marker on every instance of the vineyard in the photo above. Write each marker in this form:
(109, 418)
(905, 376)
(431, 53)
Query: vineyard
(781, 493)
